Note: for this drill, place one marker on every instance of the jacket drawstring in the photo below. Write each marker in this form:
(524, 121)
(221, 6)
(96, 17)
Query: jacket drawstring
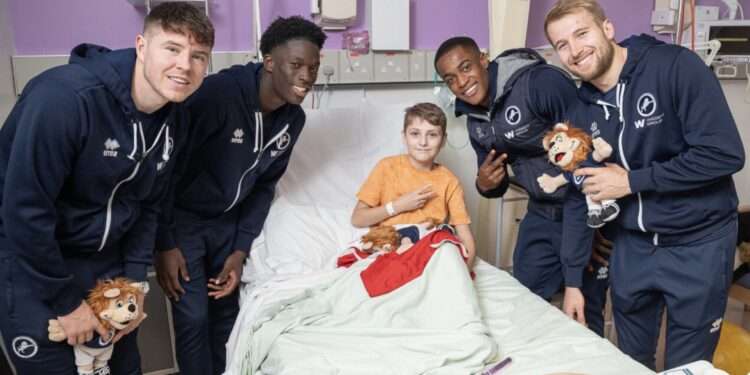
(620, 98)
(135, 141)
(165, 151)
(605, 106)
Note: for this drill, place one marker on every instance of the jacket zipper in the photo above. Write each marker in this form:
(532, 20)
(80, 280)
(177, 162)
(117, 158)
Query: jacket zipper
(136, 129)
(626, 165)
(255, 163)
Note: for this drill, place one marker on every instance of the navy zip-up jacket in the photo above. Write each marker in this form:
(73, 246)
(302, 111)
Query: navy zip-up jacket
(528, 98)
(237, 154)
(672, 130)
(78, 176)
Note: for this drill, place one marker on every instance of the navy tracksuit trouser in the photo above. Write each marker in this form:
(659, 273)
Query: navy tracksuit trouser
(202, 323)
(690, 280)
(537, 263)
(24, 318)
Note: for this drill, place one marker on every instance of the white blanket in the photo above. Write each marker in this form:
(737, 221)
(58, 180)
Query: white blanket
(325, 323)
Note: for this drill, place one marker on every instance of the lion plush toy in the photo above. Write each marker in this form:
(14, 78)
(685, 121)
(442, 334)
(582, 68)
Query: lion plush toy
(115, 303)
(569, 148)
(381, 238)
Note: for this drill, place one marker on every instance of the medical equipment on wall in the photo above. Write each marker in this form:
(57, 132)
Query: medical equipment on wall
(733, 58)
(733, 6)
(334, 14)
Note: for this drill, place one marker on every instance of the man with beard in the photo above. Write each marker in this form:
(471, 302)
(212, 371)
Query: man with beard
(510, 104)
(86, 156)
(677, 147)
(246, 122)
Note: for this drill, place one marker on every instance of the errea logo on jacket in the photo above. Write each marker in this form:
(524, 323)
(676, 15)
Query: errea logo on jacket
(237, 136)
(110, 148)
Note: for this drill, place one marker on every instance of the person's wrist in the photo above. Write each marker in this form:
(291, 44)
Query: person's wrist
(390, 208)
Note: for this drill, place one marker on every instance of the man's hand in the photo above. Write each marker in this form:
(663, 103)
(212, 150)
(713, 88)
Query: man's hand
(170, 266)
(600, 251)
(135, 322)
(609, 182)
(573, 305)
(492, 171)
(229, 277)
(414, 200)
(79, 325)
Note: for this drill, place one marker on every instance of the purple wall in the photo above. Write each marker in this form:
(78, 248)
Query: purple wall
(55, 26)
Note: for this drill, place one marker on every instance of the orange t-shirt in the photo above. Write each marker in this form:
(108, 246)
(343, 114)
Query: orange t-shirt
(395, 176)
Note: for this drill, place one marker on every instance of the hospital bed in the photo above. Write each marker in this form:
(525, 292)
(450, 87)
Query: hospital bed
(309, 222)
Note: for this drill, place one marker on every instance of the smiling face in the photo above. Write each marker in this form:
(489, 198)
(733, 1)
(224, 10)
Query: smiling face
(464, 70)
(585, 47)
(170, 66)
(423, 142)
(294, 69)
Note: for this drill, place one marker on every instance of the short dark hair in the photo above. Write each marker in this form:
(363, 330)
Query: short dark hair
(182, 18)
(456, 41)
(428, 112)
(283, 30)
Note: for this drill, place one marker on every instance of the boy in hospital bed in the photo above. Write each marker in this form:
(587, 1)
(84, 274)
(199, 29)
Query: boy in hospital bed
(412, 188)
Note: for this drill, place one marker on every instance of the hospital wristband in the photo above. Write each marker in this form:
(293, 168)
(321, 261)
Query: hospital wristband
(389, 209)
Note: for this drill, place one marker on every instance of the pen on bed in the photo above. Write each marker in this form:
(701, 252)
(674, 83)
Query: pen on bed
(496, 368)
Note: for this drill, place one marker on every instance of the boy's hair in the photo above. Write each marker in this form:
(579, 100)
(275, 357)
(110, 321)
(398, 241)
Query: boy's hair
(182, 18)
(283, 30)
(458, 41)
(428, 112)
(566, 7)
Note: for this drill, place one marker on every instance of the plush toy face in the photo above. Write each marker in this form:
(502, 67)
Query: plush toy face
(121, 310)
(562, 149)
(566, 146)
(115, 302)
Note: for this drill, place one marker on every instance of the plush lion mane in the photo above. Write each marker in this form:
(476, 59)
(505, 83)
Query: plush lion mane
(581, 153)
(98, 302)
(382, 235)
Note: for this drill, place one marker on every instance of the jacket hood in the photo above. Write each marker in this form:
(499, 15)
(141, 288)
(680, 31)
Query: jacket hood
(114, 69)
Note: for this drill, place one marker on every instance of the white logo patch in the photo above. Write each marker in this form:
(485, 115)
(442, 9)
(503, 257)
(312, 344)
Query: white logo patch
(716, 325)
(646, 105)
(479, 131)
(510, 134)
(578, 179)
(237, 136)
(602, 273)
(283, 142)
(110, 148)
(512, 115)
(25, 347)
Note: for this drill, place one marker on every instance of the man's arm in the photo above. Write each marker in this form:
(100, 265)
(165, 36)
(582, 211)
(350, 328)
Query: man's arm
(552, 95)
(575, 252)
(47, 124)
(714, 149)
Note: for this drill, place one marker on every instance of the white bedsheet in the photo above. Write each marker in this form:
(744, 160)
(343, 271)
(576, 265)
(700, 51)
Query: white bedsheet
(309, 221)
(431, 325)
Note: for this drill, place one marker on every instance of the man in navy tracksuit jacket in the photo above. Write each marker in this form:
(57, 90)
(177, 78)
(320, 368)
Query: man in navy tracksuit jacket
(676, 147)
(246, 122)
(85, 158)
(523, 99)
